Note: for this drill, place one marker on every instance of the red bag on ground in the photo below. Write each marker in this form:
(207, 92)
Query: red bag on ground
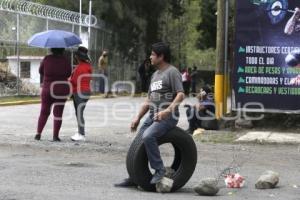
(234, 181)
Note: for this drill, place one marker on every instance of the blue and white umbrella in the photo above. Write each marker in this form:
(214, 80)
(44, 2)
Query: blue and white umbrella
(54, 39)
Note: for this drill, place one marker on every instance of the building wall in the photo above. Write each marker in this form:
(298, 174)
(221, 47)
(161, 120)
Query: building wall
(34, 69)
(34, 72)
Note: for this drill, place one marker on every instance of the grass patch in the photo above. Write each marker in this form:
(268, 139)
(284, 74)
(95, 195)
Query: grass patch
(18, 98)
(216, 137)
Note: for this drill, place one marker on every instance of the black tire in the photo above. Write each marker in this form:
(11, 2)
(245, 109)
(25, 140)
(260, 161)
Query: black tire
(210, 124)
(184, 163)
(136, 143)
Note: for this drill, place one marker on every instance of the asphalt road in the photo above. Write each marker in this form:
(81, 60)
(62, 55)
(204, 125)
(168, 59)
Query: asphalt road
(67, 170)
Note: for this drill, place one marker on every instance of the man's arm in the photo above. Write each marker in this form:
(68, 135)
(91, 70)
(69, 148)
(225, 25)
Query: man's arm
(176, 102)
(290, 25)
(165, 113)
(144, 109)
(176, 85)
(200, 107)
(101, 63)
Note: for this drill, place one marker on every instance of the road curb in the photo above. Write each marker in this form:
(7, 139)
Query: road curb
(28, 102)
(16, 103)
(268, 137)
(37, 101)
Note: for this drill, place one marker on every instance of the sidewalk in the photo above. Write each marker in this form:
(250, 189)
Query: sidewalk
(266, 137)
(246, 136)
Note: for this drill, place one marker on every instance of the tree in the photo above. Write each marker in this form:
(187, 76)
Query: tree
(207, 26)
(188, 25)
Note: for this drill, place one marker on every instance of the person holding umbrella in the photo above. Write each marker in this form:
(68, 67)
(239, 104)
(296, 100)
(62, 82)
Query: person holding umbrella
(80, 81)
(55, 70)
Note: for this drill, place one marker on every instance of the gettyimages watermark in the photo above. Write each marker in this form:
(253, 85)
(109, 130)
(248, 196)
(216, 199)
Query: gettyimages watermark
(125, 110)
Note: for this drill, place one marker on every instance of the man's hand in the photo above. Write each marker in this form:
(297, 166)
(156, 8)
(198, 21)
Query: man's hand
(297, 12)
(199, 107)
(134, 124)
(161, 115)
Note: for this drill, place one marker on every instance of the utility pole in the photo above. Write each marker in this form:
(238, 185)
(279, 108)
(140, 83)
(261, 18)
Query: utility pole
(220, 58)
(80, 16)
(90, 19)
(18, 54)
(226, 67)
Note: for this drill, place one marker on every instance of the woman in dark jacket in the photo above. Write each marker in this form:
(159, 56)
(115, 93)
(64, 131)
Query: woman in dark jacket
(145, 71)
(55, 70)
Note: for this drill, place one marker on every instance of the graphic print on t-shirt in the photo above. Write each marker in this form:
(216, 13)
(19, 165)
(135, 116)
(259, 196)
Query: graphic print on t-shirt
(157, 85)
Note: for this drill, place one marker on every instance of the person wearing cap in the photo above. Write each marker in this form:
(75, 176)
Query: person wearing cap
(54, 70)
(80, 80)
(203, 109)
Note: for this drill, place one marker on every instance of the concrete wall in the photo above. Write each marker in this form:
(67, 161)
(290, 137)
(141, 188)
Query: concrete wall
(34, 67)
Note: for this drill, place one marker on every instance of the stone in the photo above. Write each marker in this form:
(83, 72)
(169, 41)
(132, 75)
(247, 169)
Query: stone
(169, 172)
(267, 180)
(198, 132)
(165, 185)
(207, 187)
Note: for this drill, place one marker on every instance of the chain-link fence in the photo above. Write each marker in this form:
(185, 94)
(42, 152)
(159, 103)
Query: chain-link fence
(19, 63)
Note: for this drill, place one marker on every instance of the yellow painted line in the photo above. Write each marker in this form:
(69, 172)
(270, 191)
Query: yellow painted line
(26, 102)
(15, 103)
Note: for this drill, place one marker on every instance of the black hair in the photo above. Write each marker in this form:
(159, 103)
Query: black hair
(147, 60)
(82, 54)
(206, 89)
(57, 51)
(293, 58)
(162, 48)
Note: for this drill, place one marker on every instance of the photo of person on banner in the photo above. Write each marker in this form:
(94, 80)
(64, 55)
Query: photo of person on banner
(293, 60)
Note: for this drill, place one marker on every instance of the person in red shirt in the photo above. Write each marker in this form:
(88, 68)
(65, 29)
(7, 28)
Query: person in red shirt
(80, 81)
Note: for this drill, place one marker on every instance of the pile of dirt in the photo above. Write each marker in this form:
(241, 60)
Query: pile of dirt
(279, 121)
(8, 83)
(5, 75)
(264, 121)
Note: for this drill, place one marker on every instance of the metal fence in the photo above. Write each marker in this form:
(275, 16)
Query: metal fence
(19, 63)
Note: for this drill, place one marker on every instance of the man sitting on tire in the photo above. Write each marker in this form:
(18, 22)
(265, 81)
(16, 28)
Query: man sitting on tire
(164, 96)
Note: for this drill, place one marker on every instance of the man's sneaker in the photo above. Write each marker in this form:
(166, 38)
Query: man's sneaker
(78, 137)
(159, 174)
(126, 183)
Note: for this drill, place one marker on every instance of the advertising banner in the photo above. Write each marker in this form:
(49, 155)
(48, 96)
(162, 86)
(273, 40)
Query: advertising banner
(266, 73)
